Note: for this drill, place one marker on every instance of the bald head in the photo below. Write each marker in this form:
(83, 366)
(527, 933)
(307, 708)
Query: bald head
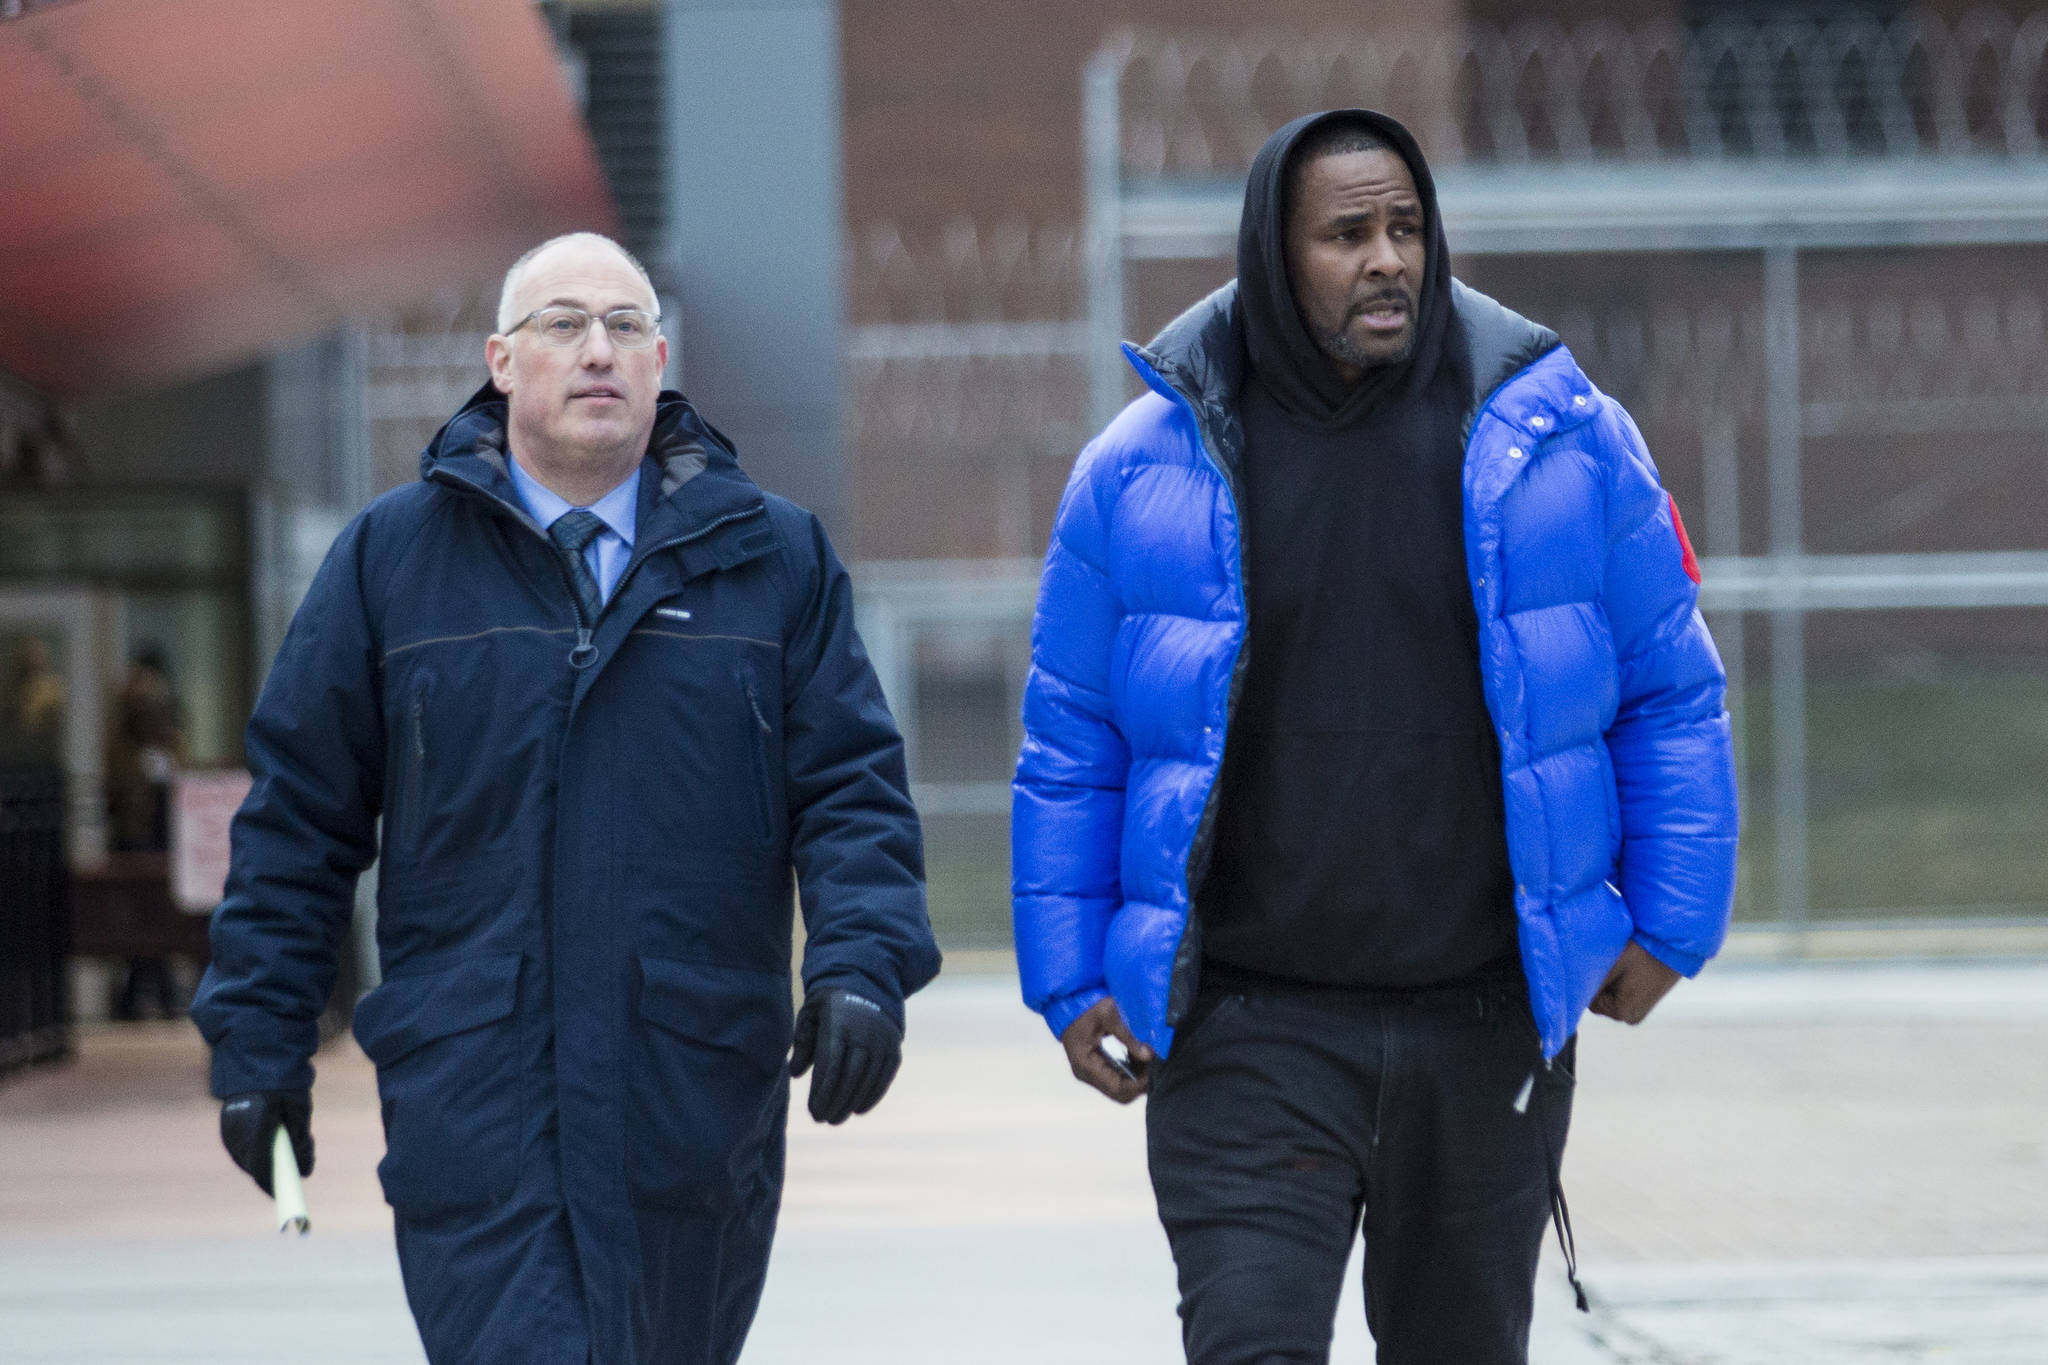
(580, 399)
(576, 246)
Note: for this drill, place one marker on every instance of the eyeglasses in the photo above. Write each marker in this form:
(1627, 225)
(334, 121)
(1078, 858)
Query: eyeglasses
(566, 326)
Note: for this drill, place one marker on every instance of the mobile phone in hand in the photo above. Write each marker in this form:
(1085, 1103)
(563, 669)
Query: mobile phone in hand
(1120, 1060)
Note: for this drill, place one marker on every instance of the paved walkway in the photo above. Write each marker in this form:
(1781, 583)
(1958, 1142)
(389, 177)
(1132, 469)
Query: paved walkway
(1789, 1164)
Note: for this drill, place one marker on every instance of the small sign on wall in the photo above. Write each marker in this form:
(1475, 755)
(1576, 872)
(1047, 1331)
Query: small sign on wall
(203, 804)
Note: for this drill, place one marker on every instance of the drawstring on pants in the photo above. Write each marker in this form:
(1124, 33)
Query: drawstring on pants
(1561, 1219)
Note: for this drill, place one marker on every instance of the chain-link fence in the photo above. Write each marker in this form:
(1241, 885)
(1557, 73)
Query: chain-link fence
(1806, 255)
(1817, 286)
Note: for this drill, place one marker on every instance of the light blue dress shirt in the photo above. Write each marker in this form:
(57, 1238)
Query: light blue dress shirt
(618, 510)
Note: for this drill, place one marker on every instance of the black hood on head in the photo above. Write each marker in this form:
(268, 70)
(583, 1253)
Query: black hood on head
(1297, 373)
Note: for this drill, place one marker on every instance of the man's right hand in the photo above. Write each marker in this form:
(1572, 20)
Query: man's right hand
(856, 1046)
(1083, 1042)
(248, 1129)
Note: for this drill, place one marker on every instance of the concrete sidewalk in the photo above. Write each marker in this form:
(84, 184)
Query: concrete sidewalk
(1790, 1164)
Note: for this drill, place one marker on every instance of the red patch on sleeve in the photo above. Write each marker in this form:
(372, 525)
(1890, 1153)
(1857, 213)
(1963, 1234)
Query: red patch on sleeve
(1690, 560)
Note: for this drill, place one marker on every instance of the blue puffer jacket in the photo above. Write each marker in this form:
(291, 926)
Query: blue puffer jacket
(1598, 671)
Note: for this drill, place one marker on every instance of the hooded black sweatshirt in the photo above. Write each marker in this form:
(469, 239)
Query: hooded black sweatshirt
(1360, 837)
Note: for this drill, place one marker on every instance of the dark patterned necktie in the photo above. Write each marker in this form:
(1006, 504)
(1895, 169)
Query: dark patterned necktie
(572, 533)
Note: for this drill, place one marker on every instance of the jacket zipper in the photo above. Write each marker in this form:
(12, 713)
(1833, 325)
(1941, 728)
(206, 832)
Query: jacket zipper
(1186, 972)
(633, 565)
(584, 653)
(416, 768)
(763, 732)
(1185, 976)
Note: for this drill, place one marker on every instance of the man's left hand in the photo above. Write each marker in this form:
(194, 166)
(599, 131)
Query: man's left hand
(857, 1049)
(1635, 985)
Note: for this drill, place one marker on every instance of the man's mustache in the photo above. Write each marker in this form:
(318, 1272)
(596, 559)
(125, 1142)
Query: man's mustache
(1372, 301)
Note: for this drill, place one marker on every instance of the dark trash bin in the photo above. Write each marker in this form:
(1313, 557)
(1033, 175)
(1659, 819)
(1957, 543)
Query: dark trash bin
(35, 920)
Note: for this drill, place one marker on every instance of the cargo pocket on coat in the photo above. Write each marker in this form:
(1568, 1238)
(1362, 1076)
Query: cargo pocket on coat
(448, 1077)
(709, 1083)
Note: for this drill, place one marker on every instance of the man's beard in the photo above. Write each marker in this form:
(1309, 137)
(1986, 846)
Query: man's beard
(1339, 346)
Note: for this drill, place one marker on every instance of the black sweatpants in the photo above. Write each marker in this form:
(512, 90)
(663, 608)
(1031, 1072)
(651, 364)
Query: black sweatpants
(1278, 1120)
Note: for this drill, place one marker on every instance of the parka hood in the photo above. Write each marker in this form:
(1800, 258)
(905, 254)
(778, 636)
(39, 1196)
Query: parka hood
(687, 451)
(1199, 356)
(683, 444)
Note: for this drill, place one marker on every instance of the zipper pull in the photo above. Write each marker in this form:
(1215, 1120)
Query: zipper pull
(585, 653)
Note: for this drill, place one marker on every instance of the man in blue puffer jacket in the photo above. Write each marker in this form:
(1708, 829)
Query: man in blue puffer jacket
(1372, 737)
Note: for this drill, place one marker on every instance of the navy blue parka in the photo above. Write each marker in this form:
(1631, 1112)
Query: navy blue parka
(589, 831)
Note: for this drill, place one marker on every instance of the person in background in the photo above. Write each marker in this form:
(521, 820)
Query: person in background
(608, 699)
(1372, 737)
(35, 704)
(145, 745)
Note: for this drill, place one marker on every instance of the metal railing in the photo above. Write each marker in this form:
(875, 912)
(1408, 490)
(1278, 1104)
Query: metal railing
(1774, 138)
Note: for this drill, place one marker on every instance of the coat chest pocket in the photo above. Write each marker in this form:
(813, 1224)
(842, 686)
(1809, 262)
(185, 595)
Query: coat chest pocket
(709, 1083)
(448, 1076)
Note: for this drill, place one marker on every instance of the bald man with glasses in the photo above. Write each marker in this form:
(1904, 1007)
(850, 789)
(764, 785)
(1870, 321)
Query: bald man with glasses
(606, 698)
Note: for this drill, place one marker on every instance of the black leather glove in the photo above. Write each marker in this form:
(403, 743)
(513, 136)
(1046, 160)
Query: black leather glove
(248, 1128)
(857, 1048)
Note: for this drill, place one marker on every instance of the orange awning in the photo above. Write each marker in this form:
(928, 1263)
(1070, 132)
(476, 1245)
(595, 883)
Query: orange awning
(186, 183)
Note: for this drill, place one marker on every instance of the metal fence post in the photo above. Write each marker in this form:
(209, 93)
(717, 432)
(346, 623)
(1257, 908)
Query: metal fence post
(892, 653)
(1721, 467)
(1102, 158)
(1788, 621)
